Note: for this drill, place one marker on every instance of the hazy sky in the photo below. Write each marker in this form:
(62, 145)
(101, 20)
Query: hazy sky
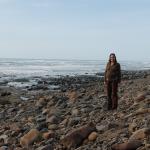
(75, 29)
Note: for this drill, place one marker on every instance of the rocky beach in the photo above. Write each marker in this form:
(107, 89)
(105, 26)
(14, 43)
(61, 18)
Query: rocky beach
(70, 112)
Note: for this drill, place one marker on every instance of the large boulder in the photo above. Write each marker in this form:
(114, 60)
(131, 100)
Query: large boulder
(76, 137)
(29, 138)
(131, 145)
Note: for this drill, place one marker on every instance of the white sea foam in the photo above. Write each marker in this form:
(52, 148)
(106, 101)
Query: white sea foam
(53, 67)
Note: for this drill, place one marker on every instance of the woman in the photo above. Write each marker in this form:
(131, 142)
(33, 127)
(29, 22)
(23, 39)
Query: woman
(111, 79)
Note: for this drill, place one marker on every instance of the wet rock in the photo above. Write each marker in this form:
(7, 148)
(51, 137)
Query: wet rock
(38, 87)
(24, 98)
(5, 93)
(41, 125)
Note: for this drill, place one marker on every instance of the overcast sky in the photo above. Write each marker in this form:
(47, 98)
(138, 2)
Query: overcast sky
(75, 29)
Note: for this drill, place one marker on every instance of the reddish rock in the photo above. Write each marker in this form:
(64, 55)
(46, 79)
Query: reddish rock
(140, 97)
(72, 95)
(92, 136)
(48, 135)
(132, 145)
(31, 119)
(140, 134)
(41, 102)
(29, 138)
(76, 137)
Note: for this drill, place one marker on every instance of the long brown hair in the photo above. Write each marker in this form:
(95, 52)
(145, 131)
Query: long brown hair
(112, 54)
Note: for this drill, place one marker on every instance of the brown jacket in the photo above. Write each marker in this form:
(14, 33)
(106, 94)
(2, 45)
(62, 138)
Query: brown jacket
(112, 73)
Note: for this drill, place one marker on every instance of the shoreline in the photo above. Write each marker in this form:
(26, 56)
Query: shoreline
(24, 82)
(70, 104)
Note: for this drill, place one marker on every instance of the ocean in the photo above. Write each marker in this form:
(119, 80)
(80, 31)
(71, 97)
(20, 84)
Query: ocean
(31, 70)
(54, 67)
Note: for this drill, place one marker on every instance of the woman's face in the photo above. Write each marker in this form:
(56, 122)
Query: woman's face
(112, 58)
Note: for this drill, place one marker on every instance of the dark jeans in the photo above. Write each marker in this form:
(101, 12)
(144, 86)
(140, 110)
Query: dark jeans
(112, 89)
